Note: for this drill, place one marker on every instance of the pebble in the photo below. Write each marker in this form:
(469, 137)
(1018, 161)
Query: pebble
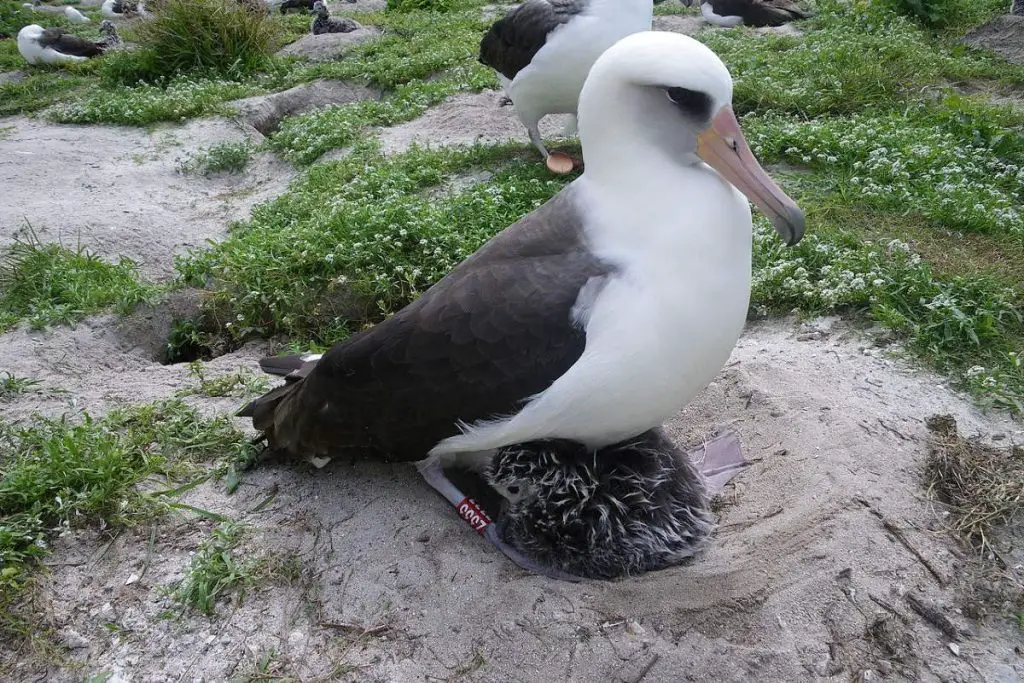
(73, 639)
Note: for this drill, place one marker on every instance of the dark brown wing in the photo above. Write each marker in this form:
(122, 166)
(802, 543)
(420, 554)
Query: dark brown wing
(69, 44)
(511, 42)
(772, 12)
(499, 328)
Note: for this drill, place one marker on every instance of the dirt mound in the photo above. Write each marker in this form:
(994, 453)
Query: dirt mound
(327, 46)
(265, 112)
(463, 120)
(1004, 35)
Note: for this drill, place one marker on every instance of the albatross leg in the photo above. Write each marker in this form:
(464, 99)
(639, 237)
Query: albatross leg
(433, 473)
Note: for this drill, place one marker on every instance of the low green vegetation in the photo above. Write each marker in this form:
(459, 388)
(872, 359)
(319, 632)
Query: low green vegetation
(223, 38)
(48, 284)
(226, 157)
(222, 566)
(12, 386)
(242, 382)
(357, 239)
(215, 570)
(58, 473)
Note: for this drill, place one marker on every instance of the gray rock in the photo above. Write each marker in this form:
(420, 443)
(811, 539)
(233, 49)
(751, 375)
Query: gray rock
(327, 46)
(265, 112)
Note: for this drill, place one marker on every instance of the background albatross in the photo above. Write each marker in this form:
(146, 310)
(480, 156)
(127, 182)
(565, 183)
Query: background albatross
(593, 319)
(542, 51)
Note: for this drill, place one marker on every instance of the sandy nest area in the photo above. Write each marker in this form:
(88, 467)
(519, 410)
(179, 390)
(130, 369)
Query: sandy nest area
(823, 545)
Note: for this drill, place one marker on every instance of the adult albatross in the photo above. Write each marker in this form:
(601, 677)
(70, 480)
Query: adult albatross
(542, 51)
(593, 319)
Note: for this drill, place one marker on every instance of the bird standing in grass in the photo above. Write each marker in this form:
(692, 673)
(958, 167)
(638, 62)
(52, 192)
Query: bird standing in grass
(542, 51)
(325, 23)
(110, 38)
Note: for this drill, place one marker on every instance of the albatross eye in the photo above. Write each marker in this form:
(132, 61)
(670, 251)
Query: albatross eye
(691, 102)
(514, 489)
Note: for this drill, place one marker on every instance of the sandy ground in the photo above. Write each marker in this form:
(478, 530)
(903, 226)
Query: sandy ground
(802, 580)
(118, 191)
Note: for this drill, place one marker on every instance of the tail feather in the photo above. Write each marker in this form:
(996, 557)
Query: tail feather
(285, 365)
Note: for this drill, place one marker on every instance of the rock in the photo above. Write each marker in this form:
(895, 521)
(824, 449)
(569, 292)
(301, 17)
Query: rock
(265, 112)
(327, 46)
(11, 77)
(687, 25)
(72, 639)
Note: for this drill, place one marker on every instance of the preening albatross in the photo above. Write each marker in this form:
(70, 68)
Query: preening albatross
(592, 319)
(55, 46)
(542, 51)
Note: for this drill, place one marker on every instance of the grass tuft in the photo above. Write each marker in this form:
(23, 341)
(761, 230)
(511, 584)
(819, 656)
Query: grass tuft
(215, 570)
(230, 157)
(47, 284)
(223, 567)
(12, 386)
(56, 474)
(984, 486)
(215, 37)
(242, 382)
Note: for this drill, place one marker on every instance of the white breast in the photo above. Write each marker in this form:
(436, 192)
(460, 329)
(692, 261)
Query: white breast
(656, 334)
(708, 12)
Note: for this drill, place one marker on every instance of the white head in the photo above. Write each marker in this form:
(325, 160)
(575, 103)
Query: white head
(671, 96)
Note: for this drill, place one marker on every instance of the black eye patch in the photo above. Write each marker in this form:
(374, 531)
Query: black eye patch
(691, 102)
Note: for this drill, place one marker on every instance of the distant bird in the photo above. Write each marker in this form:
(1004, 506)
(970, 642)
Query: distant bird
(75, 17)
(592, 319)
(55, 46)
(325, 23)
(542, 51)
(122, 9)
(297, 4)
(111, 39)
(729, 13)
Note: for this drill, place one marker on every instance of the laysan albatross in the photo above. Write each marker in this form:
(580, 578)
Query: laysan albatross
(542, 51)
(55, 46)
(593, 319)
(729, 13)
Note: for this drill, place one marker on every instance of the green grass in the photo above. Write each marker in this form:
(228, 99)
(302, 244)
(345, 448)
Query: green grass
(13, 386)
(218, 37)
(355, 240)
(48, 284)
(215, 570)
(222, 566)
(242, 382)
(229, 157)
(56, 474)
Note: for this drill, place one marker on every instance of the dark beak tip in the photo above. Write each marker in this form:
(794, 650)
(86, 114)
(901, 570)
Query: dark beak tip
(791, 227)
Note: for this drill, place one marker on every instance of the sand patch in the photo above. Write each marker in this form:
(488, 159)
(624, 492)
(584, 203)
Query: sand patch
(465, 119)
(792, 588)
(118, 191)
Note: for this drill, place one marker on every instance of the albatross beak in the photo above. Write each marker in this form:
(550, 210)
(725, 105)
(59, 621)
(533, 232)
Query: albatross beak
(723, 148)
